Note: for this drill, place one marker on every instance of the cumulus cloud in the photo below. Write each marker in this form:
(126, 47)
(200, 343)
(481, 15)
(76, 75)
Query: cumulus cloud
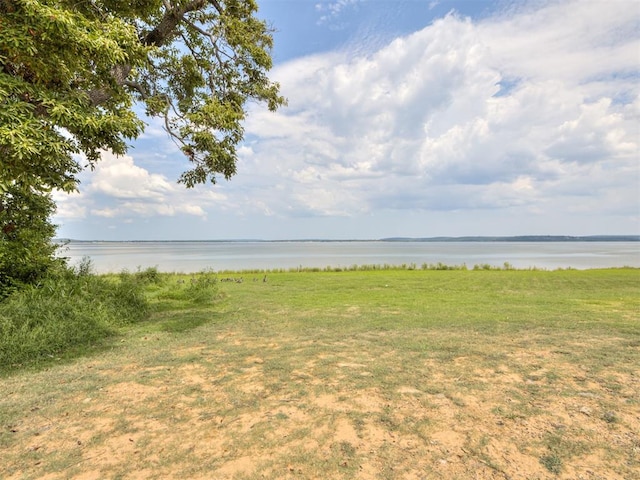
(506, 112)
(120, 178)
(572, 41)
(118, 188)
(70, 206)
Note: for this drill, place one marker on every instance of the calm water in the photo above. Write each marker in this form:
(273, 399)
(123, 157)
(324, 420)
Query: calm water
(196, 256)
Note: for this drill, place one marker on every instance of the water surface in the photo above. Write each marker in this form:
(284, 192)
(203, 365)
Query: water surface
(217, 255)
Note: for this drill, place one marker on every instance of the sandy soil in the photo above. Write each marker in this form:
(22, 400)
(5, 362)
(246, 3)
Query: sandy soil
(206, 414)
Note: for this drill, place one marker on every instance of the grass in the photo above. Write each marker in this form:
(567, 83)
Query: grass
(366, 373)
(70, 311)
(65, 313)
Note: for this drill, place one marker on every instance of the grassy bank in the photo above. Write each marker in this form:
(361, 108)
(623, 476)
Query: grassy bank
(376, 373)
(69, 313)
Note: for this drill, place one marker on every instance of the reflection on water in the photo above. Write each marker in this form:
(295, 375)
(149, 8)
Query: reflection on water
(196, 256)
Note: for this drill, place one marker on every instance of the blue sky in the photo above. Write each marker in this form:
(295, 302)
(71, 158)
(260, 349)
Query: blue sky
(408, 118)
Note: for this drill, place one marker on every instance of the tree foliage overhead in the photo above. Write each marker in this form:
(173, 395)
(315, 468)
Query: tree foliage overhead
(71, 72)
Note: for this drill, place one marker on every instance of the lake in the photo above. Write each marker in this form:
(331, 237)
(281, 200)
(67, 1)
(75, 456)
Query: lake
(190, 257)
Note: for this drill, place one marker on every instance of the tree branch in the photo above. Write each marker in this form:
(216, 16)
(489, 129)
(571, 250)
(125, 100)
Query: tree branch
(158, 37)
(137, 87)
(172, 17)
(119, 73)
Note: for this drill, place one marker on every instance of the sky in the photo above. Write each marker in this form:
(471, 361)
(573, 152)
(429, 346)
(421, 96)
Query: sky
(411, 118)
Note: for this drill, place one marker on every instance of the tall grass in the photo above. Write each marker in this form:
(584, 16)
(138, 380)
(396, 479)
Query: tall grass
(67, 310)
(75, 309)
(368, 268)
(47, 319)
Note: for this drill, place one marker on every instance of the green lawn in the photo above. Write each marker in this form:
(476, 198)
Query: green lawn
(358, 374)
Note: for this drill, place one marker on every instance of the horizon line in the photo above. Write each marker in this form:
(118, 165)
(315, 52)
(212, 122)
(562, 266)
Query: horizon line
(463, 238)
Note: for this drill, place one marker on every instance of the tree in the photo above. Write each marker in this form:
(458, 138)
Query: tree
(71, 72)
(26, 250)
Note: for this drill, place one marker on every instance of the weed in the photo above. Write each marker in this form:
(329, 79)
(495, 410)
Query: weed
(148, 276)
(552, 462)
(347, 449)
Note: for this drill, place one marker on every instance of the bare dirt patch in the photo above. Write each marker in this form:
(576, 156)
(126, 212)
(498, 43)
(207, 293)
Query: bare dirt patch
(237, 408)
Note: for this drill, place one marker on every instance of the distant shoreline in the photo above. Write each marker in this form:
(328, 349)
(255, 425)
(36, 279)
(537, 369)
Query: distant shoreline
(488, 239)
(523, 238)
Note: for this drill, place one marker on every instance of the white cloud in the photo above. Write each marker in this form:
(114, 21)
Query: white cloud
(332, 9)
(146, 209)
(70, 205)
(118, 188)
(567, 40)
(119, 177)
(503, 113)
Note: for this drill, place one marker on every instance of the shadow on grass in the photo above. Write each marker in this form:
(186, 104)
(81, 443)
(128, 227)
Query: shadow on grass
(162, 317)
(65, 357)
(163, 323)
(172, 323)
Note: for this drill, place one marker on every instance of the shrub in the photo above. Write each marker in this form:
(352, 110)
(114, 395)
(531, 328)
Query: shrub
(148, 276)
(201, 288)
